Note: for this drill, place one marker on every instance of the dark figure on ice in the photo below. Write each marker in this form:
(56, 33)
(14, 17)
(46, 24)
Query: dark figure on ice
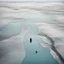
(30, 40)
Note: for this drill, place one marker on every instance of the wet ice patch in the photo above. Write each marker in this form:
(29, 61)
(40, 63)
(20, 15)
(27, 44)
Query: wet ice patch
(12, 49)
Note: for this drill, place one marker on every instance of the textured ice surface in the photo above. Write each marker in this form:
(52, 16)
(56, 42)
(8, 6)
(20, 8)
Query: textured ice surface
(16, 16)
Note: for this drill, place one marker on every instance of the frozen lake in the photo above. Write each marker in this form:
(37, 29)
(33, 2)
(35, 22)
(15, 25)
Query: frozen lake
(11, 24)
